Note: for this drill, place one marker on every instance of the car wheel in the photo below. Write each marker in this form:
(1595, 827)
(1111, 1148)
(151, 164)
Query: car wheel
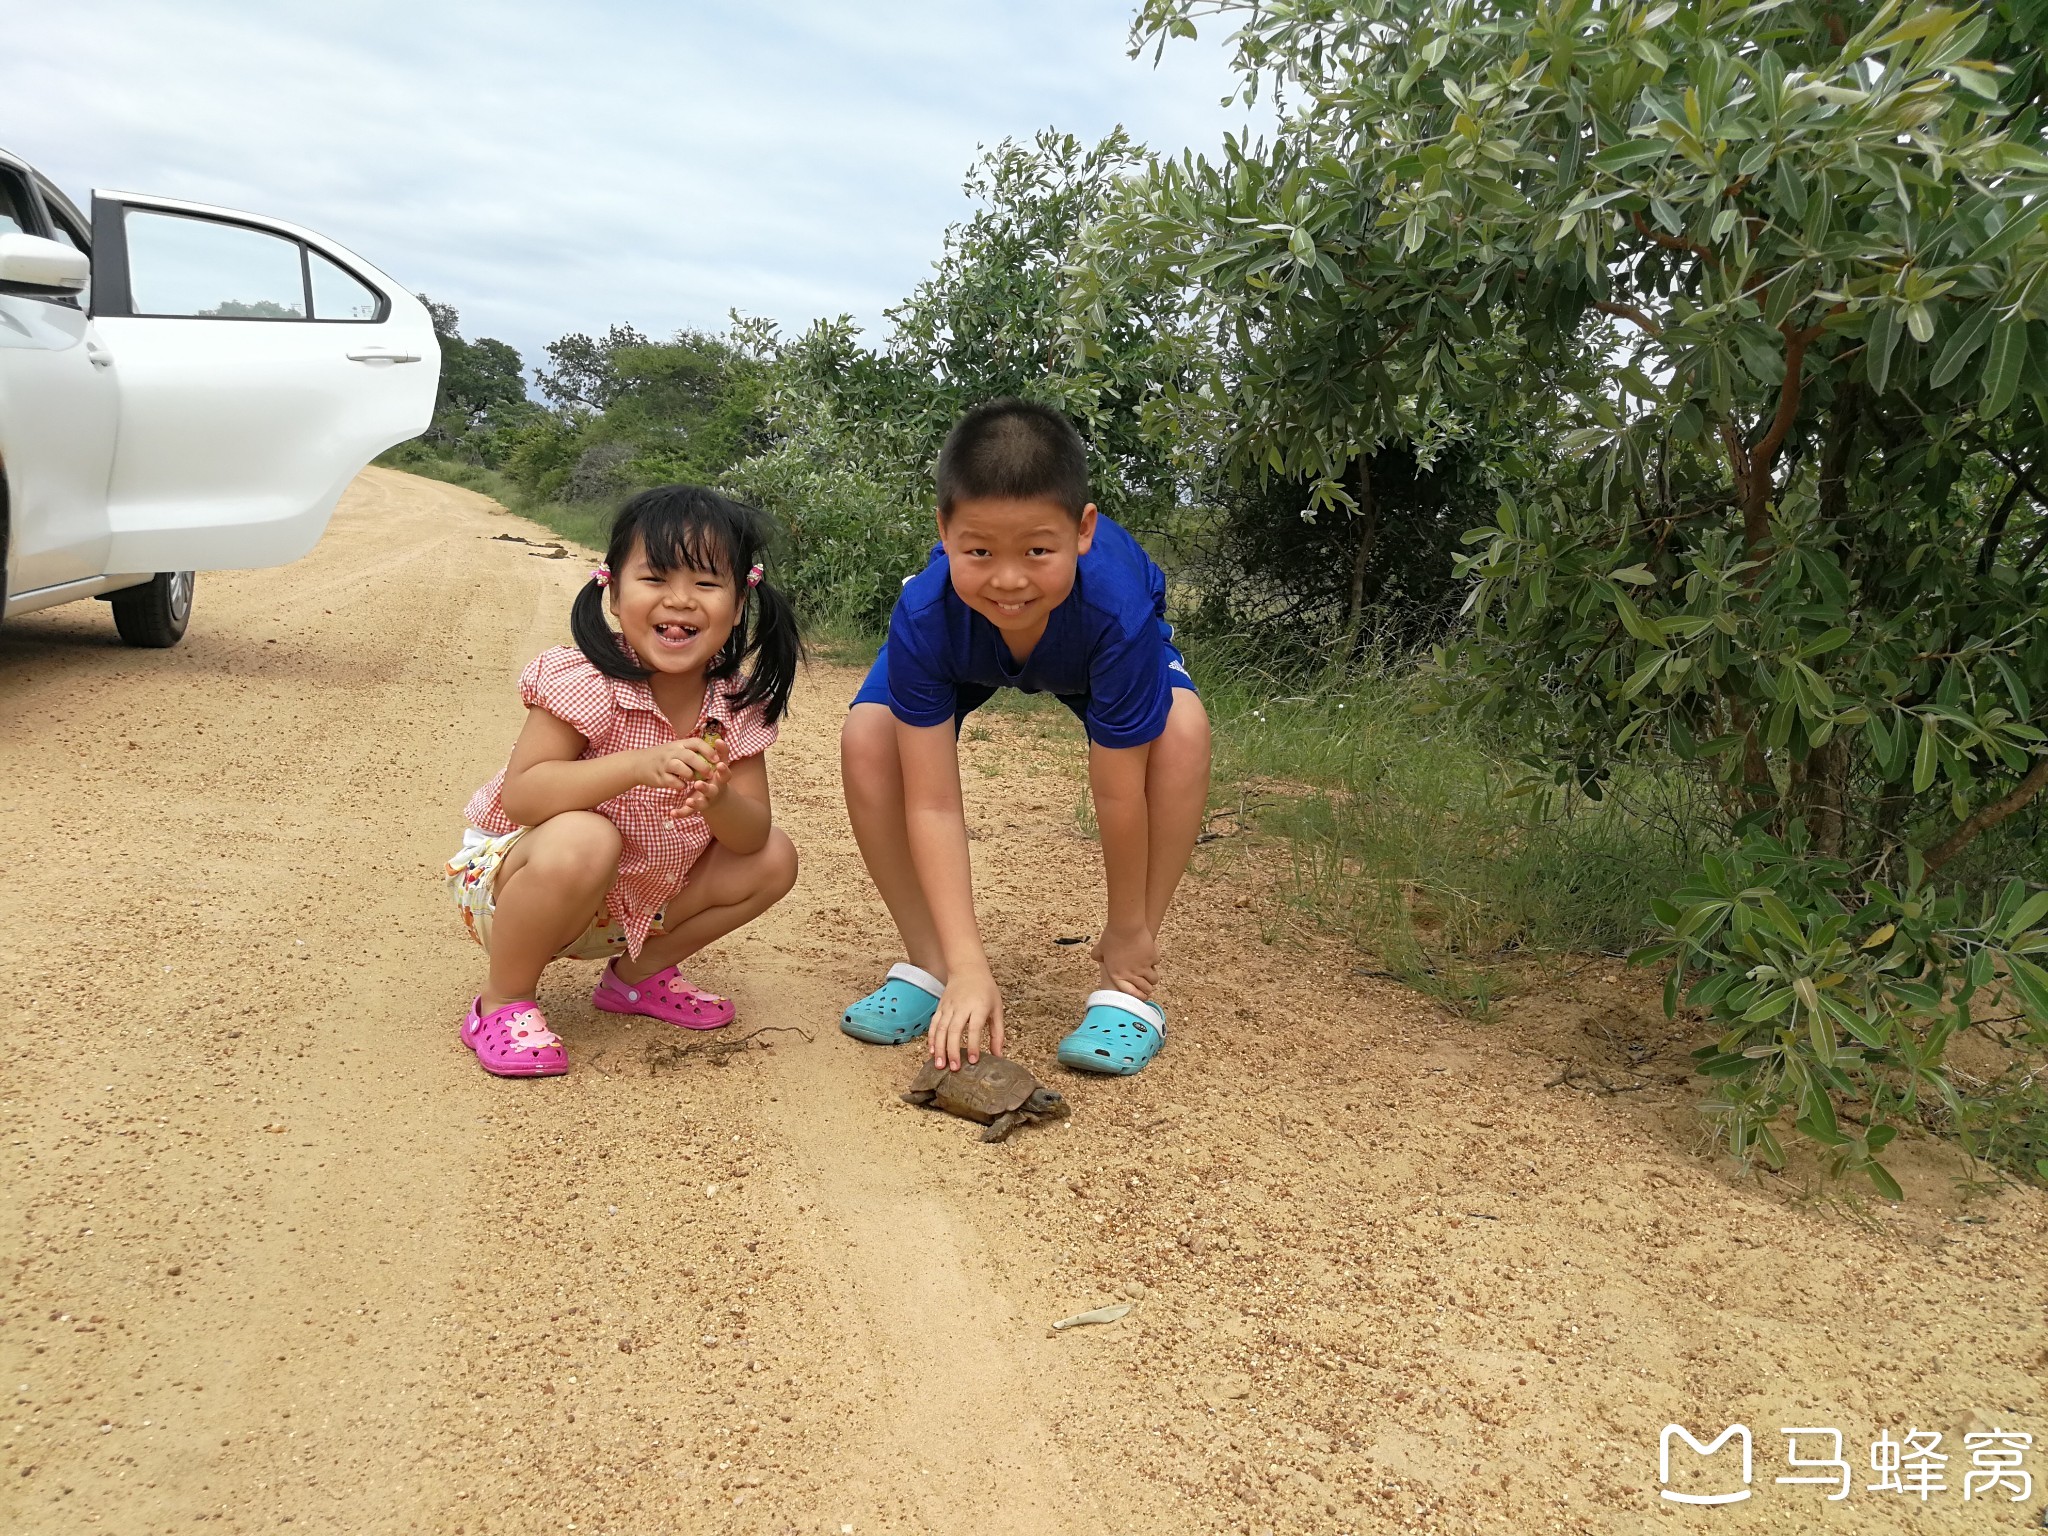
(155, 614)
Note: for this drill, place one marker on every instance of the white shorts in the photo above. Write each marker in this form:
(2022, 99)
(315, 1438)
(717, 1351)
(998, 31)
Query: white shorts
(472, 879)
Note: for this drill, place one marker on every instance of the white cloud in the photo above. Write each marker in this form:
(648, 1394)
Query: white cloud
(549, 167)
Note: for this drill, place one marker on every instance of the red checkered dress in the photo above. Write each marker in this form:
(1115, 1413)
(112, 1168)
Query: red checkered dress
(615, 716)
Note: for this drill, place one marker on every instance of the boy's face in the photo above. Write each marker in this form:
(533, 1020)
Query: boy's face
(1013, 560)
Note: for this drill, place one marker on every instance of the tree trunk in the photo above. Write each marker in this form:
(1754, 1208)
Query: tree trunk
(1827, 788)
(1753, 467)
(1988, 817)
(1367, 521)
(1835, 457)
(1892, 809)
(1756, 789)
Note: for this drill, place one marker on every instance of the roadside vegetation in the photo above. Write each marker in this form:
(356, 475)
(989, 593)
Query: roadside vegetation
(1601, 453)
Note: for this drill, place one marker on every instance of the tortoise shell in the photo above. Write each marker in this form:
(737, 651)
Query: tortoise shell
(980, 1090)
(993, 1092)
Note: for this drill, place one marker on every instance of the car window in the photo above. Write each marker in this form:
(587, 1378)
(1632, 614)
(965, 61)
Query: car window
(182, 265)
(61, 229)
(338, 294)
(15, 217)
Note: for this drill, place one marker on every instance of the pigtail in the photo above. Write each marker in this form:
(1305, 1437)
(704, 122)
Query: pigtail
(593, 633)
(774, 644)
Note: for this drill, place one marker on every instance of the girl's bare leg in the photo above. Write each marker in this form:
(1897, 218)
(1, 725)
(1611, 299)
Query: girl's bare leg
(727, 890)
(872, 775)
(549, 887)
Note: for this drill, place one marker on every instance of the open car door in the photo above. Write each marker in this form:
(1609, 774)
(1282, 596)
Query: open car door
(260, 367)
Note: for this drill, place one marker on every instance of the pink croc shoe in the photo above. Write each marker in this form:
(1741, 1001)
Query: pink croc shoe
(665, 996)
(514, 1041)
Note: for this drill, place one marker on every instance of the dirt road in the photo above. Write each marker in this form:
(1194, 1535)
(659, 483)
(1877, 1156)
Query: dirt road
(278, 1255)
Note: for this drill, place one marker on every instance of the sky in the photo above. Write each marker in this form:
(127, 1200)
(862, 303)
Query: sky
(557, 167)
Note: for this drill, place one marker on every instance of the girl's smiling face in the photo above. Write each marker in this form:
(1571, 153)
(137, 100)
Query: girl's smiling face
(675, 621)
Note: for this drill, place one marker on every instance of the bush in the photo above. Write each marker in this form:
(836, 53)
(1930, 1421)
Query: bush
(853, 527)
(1826, 991)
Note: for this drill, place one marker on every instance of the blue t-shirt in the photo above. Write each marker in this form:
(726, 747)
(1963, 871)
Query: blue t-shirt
(1108, 643)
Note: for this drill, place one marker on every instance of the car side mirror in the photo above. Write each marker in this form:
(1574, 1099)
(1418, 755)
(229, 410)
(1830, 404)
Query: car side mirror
(30, 264)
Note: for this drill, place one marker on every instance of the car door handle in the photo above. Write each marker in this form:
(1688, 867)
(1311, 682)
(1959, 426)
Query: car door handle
(97, 355)
(382, 355)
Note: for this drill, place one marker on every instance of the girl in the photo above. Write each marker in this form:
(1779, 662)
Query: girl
(632, 822)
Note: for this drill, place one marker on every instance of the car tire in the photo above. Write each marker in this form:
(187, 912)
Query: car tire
(154, 615)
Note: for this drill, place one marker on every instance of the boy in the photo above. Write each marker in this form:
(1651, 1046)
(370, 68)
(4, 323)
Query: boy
(1030, 589)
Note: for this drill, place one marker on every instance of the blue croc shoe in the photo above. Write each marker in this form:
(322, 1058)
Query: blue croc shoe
(1119, 1033)
(900, 1009)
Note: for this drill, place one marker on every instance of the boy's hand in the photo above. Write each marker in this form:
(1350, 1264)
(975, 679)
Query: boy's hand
(1129, 961)
(970, 1011)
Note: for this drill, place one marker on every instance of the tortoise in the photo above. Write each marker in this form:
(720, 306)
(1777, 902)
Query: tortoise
(999, 1094)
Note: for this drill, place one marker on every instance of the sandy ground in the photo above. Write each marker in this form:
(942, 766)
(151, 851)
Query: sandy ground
(277, 1254)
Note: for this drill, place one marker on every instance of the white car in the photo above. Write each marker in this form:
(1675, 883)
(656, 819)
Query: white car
(183, 388)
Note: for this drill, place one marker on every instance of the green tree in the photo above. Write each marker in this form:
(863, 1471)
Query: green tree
(629, 412)
(693, 406)
(857, 430)
(482, 386)
(583, 375)
(1783, 270)
(991, 320)
(1308, 344)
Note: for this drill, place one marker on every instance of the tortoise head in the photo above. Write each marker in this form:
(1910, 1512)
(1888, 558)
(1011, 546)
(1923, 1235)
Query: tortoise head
(1051, 1105)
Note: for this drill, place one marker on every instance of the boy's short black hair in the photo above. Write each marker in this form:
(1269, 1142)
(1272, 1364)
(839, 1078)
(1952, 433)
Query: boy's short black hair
(1013, 449)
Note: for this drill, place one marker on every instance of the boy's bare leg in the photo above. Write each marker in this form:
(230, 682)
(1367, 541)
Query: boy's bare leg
(1172, 798)
(547, 890)
(871, 773)
(727, 890)
(1176, 801)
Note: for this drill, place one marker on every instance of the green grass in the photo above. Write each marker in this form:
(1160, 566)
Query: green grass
(1404, 833)
(832, 638)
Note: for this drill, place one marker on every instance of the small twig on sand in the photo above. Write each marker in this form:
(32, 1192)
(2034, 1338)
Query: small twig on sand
(1238, 812)
(1568, 1077)
(665, 1055)
(548, 550)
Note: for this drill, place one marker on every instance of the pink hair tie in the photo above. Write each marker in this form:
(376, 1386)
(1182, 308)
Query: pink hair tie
(602, 575)
(754, 574)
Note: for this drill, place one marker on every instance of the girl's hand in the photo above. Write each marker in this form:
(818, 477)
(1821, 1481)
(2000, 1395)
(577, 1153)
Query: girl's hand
(710, 782)
(970, 1011)
(666, 766)
(680, 764)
